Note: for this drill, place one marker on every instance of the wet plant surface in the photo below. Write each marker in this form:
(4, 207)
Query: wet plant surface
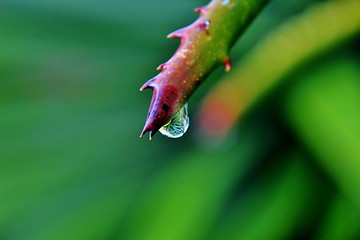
(72, 165)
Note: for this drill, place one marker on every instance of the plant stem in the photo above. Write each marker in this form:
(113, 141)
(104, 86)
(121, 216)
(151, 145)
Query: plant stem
(204, 45)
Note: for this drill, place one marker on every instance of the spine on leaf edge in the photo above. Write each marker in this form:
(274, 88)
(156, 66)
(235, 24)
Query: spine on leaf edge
(204, 44)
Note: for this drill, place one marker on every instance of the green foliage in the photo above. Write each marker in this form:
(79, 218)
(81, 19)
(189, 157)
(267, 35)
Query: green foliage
(72, 165)
(327, 123)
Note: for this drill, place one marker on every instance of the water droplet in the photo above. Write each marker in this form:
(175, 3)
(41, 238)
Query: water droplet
(207, 24)
(178, 124)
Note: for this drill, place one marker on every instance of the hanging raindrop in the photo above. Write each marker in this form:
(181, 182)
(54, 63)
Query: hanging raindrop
(178, 125)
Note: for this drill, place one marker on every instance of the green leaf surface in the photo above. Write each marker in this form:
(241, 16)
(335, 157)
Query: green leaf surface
(323, 109)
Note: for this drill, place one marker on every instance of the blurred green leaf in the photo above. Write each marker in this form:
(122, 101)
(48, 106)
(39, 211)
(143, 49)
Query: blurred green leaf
(71, 163)
(184, 199)
(341, 222)
(282, 53)
(278, 205)
(323, 109)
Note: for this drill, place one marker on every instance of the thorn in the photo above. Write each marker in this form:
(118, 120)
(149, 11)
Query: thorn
(149, 128)
(161, 66)
(147, 84)
(143, 132)
(227, 63)
(200, 10)
(176, 34)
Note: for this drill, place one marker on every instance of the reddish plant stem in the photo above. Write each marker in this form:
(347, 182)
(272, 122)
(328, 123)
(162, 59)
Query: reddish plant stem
(204, 45)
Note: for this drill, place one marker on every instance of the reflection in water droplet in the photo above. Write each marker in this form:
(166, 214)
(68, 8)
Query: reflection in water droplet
(178, 124)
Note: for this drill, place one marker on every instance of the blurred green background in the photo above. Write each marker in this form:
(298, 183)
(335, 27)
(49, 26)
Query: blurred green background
(73, 167)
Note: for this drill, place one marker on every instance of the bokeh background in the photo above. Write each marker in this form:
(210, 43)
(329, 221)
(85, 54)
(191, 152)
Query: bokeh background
(73, 167)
